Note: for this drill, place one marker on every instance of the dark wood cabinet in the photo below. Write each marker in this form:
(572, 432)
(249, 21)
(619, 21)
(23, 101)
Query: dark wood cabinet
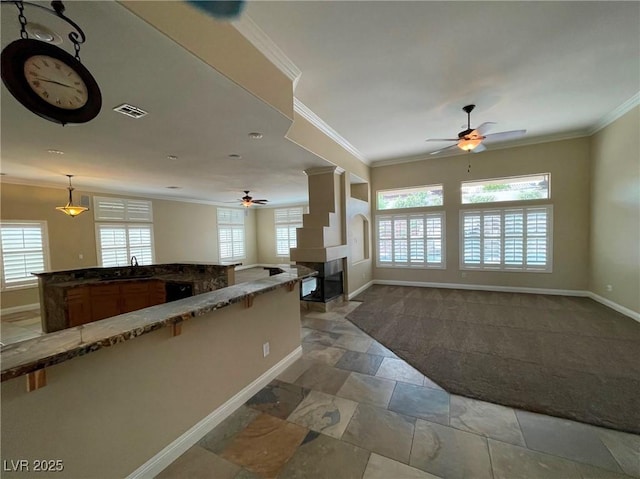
(78, 306)
(157, 293)
(134, 296)
(94, 302)
(105, 301)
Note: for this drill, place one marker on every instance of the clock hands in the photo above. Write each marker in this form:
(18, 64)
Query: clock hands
(53, 81)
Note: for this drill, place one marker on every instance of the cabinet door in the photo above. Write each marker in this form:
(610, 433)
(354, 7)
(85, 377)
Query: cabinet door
(105, 301)
(78, 305)
(157, 293)
(134, 296)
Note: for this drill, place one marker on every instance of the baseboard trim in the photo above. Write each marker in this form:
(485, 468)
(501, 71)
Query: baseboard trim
(619, 308)
(484, 287)
(174, 450)
(20, 309)
(359, 290)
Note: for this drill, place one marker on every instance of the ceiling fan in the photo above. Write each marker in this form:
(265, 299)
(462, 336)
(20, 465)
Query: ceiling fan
(247, 201)
(471, 139)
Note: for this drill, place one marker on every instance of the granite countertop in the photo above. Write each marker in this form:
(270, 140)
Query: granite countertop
(174, 278)
(27, 356)
(47, 274)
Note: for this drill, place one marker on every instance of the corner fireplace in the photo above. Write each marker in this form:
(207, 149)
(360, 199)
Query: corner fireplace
(327, 285)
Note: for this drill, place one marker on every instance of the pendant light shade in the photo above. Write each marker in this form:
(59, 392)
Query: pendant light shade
(71, 209)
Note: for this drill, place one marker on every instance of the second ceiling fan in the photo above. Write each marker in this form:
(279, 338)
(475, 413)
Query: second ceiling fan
(247, 201)
(471, 139)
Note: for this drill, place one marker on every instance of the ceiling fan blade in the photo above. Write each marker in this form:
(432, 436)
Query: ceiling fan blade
(505, 135)
(259, 202)
(485, 127)
(444, 149)
(479, 148)
(442, 139)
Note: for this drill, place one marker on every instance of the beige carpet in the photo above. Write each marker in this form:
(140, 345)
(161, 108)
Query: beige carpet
(564, 356)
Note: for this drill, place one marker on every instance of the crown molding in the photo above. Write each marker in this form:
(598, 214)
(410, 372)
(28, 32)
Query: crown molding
(615, 114)
(259, 39)
(319, 123)
(321, 170)
(492, 147)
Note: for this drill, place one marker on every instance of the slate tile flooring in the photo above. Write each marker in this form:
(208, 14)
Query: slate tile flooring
(350, 409)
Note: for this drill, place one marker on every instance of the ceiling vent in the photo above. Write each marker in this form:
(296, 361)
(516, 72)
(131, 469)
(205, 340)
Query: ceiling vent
(130, 110)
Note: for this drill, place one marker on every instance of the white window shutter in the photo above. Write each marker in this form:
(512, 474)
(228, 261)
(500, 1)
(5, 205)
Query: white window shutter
(24, 251)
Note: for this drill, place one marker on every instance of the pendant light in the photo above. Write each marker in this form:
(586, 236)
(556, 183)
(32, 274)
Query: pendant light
(71, 209)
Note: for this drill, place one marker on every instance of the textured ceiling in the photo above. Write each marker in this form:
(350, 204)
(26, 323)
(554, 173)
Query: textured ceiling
(388, 75)
(195, 113)
(384, 75)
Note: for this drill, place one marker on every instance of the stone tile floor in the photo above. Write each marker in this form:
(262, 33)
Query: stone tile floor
(21, 326)
(349, 408)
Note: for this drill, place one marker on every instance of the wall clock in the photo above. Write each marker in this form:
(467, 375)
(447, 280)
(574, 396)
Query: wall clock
(50, 82)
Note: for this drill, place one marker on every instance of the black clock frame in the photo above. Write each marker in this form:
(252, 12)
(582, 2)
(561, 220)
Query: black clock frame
(13, 58)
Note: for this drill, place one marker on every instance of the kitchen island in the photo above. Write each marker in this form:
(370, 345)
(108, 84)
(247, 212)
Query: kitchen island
(127, 395)
(75, 297)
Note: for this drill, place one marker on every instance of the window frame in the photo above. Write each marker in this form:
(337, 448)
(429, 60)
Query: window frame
(288, 225)
(232, 226)
(417, 189)
(502, 266)
(32, 281)
(126, 227)
(498, 180)
(408, 265)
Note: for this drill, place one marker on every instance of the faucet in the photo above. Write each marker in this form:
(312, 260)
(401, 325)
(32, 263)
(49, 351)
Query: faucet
(134, 261)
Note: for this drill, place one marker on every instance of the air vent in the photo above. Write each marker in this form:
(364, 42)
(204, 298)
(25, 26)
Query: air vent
(130, 110)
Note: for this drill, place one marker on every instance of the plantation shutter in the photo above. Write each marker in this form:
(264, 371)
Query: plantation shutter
(118, 243)
(231, 241)
(23, 252)
(122, 209)
(507, 239)
(414, 240)
(287, 221)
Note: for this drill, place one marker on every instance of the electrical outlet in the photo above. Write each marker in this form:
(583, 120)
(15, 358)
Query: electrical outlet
(609, 288)
(80, 256)
(265, 349)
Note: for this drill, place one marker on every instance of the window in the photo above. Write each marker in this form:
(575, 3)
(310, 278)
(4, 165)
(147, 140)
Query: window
(117, 243)
(231, 234)
(287, 221)
(122, 209)
(24, 249)
(515, 188)
(410, 197)
(414, 240)
(509, 239)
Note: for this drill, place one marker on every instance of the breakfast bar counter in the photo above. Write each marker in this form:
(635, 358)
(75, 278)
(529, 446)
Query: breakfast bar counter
(35, 354)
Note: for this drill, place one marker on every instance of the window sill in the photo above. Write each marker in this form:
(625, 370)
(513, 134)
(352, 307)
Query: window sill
(397, 266)
(6, 289)
(506, 270)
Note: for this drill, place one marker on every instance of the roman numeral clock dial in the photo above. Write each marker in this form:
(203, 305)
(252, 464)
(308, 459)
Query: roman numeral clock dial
(55, 82)
(50, 82)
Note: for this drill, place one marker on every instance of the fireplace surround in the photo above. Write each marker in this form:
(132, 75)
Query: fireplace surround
(327, 285)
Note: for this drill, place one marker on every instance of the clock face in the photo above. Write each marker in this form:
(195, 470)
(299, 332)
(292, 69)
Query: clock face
(55, 82)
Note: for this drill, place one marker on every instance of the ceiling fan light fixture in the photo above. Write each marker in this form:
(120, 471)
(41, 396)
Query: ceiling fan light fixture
(468, 144)
(246, 203)
(70, 209)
